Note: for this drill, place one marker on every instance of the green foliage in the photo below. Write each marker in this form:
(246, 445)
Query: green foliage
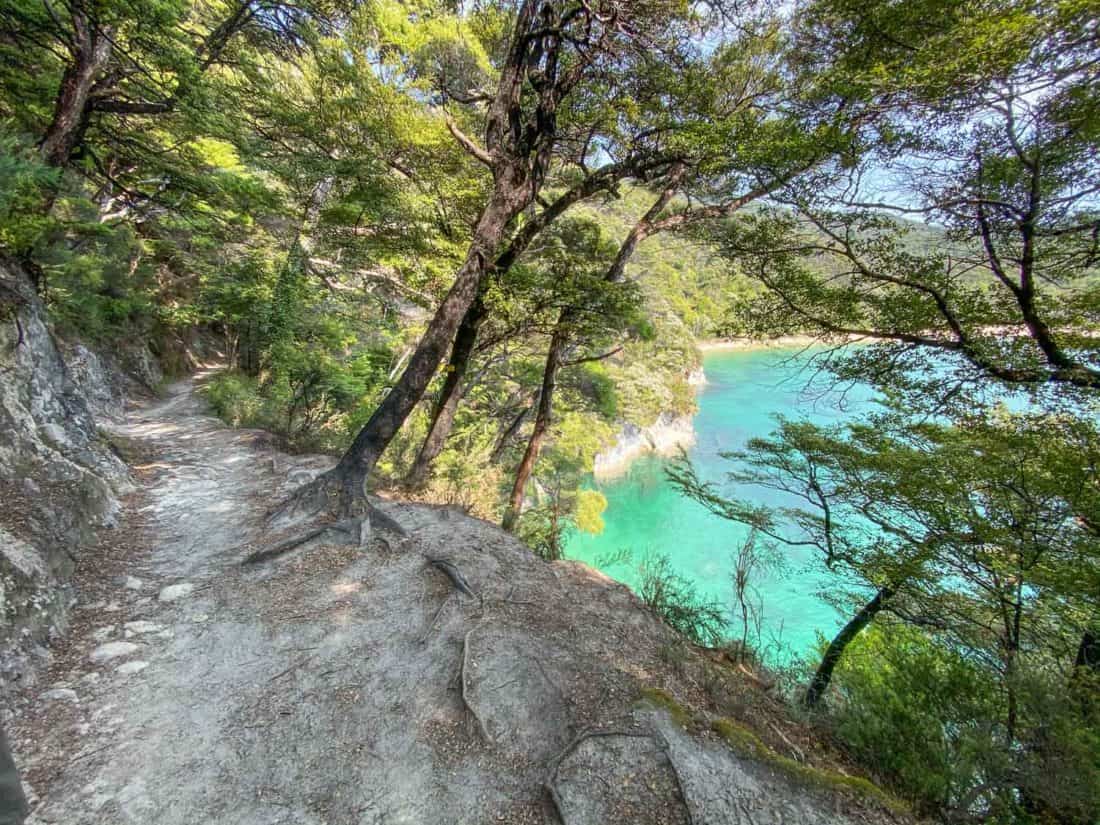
(929, 718)
(294, 192)
(982, 531)
(746, 743)
(1004, 287)
(467, 477)
(589, 511)
(594, 381)
(23, 179)
(676, 601)
(235, 398)
(924, 714)
(665, 700)
(311, 399)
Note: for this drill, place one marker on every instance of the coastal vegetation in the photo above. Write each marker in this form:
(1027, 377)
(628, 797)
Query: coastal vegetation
(458, 246)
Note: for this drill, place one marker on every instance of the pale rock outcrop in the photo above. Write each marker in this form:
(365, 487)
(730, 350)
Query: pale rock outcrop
(59, 478)
(665, 436)
(669, 434)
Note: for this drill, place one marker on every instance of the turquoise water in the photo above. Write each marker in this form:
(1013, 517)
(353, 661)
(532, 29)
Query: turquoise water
(646, 515)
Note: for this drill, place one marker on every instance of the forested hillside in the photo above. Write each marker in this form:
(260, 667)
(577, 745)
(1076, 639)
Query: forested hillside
(303, 217)
(457, 246)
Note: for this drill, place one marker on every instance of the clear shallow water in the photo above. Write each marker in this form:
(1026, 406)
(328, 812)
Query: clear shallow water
(645, 514)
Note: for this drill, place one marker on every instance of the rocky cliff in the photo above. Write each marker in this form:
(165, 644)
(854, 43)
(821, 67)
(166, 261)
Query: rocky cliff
(665, 436)
(60, 481)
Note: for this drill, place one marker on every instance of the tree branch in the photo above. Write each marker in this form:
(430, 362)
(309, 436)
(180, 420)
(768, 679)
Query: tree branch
(467, 143)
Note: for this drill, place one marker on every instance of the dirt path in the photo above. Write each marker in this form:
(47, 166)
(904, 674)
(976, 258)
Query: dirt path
(341, 685)
(133, 683)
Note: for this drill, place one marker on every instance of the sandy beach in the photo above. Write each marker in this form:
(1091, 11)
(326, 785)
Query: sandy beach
(780, 342)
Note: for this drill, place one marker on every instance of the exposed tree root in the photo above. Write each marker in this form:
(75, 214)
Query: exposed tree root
(679, 781)
(584, 736)
(325, 498)
(329, 495)
(462, 680)
(354, 529)
(454, 574)
(435, 618)
(322, 496)
(797, 751)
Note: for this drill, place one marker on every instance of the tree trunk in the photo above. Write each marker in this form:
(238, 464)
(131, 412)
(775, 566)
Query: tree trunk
(509, 432)
(91, 49)
(451, 394)
(820, 683)
(518, 148)
(348, 479)
(542, 422)
(443, 413)
(1088, 652)
(560, 338)
(1085, 677)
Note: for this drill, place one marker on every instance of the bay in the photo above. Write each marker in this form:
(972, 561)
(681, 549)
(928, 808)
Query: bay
(647, 516)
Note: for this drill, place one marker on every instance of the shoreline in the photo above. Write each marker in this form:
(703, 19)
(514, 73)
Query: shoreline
(665, 436)
(779, 342)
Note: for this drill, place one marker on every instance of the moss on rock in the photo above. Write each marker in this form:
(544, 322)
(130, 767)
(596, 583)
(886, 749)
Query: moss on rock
(746, 743)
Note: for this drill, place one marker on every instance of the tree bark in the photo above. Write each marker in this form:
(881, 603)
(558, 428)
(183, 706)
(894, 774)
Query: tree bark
(560, 339)
(348, 479)
(1084, 679)
(451, 394)
(91, 50)
(518, 151)
(542, 422)
(510, 431)
(820, 683)
(454, 388)
(1088, 652)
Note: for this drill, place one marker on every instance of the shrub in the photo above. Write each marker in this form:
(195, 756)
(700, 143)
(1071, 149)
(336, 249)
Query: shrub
(678, 603)
(235, 398)
(930, 720)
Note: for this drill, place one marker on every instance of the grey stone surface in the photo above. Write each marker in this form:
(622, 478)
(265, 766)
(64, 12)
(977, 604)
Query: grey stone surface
(59, 480)
(175, 591)
(112, 650)
(618, 777)
(141, 627)
(61, 695)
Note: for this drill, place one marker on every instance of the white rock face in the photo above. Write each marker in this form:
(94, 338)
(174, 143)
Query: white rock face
(112, 650)
(133, 583)
(175, 591)
(664, 436)
(98, 386)
(64, 478)
(130, 668)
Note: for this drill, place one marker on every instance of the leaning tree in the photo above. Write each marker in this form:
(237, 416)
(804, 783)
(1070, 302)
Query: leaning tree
(557, 54)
